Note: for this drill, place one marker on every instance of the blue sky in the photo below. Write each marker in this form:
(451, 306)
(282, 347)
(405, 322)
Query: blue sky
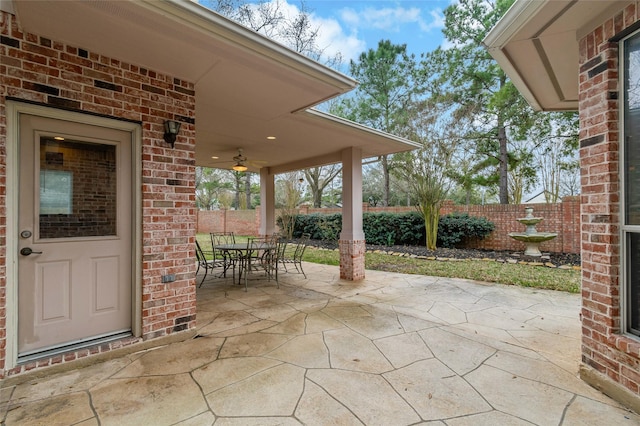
(354, 26)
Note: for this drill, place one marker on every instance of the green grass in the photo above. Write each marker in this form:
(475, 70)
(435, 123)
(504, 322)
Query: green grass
(489, 271)
(480, 270)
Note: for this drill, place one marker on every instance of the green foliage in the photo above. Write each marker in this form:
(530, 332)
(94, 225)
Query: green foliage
(325, 227)
(457, 229)
(390, 81)
(467, 80)
(393, 229)
(379, 228)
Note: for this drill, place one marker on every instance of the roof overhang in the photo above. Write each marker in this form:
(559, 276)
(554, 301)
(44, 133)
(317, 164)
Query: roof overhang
(247, 87)
(536, 44)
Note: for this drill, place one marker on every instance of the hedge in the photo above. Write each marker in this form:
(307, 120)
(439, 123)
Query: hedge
(390, 229)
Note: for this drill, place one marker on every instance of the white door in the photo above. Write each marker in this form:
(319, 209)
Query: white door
(74, 265)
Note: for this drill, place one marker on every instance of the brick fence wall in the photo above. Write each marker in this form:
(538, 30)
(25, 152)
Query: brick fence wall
(563, 218)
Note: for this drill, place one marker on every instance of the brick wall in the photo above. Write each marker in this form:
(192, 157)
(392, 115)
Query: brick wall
(563, 218)
(604, 349)
(47, 72)
(240, 222)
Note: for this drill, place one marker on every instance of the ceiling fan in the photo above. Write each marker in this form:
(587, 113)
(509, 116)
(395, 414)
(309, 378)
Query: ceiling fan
(240, 162)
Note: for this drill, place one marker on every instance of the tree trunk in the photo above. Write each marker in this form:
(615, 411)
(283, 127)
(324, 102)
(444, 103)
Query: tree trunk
(317, 198)
(504, 163)
(237, 195)
(431, 219)
(247, 188)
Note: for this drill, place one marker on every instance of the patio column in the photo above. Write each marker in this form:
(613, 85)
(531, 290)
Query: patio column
(267, 202)
(352, 243)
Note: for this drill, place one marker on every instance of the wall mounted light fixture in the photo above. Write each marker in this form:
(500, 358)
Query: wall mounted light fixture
(171, 129)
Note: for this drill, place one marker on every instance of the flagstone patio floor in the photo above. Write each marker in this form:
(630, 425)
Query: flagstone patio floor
(392, 349)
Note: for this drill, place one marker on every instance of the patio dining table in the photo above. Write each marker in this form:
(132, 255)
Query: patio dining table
(243, 250)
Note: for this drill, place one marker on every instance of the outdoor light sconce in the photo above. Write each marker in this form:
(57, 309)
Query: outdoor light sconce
(171, 129)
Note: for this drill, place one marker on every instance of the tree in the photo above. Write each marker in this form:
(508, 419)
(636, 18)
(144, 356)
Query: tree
(466, 78)
(427, 170)
(275, 19)
(556, 153)
(319, 178)
(211, 187)
(288, 197)
(388, 78)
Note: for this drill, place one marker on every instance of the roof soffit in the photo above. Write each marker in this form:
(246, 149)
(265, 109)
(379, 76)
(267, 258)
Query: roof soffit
(536, 43)
(247, 87)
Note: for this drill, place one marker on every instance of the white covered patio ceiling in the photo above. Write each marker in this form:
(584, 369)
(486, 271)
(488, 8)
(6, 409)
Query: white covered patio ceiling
(247, 87)
(536, 44)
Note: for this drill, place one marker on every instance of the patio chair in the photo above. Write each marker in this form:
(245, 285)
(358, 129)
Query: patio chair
(291, 254)
(230, 259)
(207, 264)
(260, 255)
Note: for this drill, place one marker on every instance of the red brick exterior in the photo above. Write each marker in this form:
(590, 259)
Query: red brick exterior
(352, 259)
(563, 218)
(47, 72)
(604, 349)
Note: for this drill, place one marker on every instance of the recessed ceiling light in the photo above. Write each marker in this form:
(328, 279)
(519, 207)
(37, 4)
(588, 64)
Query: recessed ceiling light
(58, 138)
(215, 157)
(271, 138)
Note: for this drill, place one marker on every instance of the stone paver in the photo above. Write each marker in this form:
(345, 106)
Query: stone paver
(390, 350)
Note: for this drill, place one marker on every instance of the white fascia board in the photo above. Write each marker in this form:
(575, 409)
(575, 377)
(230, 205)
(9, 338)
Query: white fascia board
(362, 128)
(518, 15)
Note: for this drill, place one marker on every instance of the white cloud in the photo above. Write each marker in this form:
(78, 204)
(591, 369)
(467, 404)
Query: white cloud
(332, 38)
(392, 19)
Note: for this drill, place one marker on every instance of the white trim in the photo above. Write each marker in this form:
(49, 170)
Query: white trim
(13, 111)
(362, 128)
(518, 15)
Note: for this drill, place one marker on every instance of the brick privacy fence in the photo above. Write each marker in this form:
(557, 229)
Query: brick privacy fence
(563, 218)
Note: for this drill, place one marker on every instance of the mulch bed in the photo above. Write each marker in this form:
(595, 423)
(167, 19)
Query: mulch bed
(558, 259)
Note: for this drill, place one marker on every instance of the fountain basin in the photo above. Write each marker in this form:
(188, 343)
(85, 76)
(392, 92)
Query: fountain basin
(533, 240)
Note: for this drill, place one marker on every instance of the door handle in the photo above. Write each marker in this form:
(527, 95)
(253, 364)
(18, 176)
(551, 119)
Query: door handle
(27, 251)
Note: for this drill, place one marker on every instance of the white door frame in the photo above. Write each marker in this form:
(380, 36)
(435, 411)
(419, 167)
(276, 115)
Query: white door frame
(14, 109)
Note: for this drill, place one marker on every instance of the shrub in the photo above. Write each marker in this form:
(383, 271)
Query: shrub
(379, 228)
(393, 229)
(454, 230)
(458, 229)
(324, 227)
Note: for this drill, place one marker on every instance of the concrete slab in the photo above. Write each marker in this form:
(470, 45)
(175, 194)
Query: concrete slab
(392, 349)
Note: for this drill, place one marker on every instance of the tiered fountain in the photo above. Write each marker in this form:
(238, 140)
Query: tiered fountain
(531, 237)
